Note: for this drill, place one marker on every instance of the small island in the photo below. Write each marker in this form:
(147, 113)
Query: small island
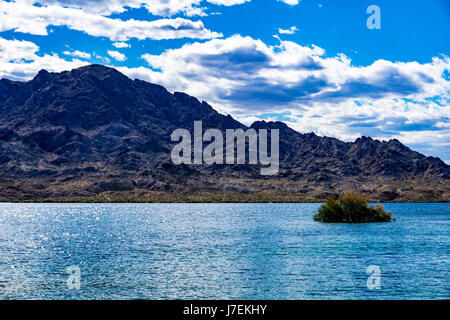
(352, 208)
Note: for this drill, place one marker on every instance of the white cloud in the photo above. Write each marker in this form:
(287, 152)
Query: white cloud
(79, 54)
(228, 3)
(165, 8)
(17, 51)
(117, 55)
(103, 59)
(328, 95)
(19, 60)
(120, 45)
(301, 73)
(291, 30)
(291, 2)
(107, 7)
(26, 18)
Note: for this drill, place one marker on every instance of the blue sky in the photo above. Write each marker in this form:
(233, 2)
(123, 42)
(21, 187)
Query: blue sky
(312, 63)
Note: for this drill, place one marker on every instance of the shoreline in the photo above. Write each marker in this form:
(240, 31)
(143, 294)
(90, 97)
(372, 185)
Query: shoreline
(195, 202)
(209, 196)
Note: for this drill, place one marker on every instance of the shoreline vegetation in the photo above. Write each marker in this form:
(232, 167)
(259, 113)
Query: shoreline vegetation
(352, 208)
(145, 196)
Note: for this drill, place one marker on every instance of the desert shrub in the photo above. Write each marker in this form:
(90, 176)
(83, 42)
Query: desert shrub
(351, 208)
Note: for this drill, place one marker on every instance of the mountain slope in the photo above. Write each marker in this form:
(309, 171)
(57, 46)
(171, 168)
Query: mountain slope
(93, 130)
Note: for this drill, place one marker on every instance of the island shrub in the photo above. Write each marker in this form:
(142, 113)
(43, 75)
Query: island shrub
(351, 208)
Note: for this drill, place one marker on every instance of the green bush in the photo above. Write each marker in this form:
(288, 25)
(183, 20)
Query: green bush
(351, 208)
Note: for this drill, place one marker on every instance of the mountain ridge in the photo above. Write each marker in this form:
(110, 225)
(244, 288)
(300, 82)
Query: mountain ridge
(92, 130)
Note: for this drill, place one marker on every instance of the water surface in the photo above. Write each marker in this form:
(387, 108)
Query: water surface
(220, 251)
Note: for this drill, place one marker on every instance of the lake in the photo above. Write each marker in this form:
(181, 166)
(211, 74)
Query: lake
(220, 251)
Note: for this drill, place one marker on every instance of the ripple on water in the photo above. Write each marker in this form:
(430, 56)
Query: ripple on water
(220, 251)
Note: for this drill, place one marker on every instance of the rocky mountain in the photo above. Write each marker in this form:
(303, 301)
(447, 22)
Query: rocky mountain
(94, 134)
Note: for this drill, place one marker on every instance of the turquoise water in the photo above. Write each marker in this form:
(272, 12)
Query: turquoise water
(220, 251)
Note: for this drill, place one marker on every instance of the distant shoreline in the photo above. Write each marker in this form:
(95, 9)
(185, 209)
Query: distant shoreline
(146, 196)
(192, 202)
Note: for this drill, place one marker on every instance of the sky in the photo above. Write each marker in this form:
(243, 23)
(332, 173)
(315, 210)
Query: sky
(314, 64)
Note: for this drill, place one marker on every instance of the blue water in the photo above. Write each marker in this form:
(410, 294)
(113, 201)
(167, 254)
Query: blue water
(220, 251)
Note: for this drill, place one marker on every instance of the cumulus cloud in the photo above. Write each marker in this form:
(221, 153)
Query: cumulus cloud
(79, 54)
(164, 8)
(108, 7)
(19, 60)
(291, 30)
(121, 45)
(248, 72)
(313, 91)
(117, 55)
(26, 18)
(291, 2)
(228, 3)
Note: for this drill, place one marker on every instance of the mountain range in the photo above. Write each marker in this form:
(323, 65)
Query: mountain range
(93, 134)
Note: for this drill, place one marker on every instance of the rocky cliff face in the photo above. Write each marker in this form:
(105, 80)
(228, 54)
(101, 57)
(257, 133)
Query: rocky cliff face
(93, 130)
